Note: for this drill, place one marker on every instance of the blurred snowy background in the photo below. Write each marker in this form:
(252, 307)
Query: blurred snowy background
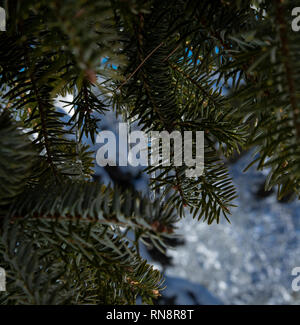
(250, 260)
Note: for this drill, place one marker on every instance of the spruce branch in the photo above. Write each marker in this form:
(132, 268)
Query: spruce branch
(280, 9)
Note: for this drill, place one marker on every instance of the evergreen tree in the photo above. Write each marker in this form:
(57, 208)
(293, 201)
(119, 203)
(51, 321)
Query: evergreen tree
(229, 68)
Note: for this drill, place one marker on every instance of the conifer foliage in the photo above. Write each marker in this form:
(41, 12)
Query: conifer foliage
(229, 68)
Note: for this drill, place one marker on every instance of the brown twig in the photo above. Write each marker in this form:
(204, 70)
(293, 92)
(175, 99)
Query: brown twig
(140, 65)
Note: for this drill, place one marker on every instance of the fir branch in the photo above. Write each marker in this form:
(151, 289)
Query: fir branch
(280, 9)
(42, 113)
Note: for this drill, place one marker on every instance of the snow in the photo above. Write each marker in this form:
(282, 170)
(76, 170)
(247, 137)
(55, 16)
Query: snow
(250, 260)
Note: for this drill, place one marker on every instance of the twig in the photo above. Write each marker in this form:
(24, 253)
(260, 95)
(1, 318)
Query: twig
(140, 65)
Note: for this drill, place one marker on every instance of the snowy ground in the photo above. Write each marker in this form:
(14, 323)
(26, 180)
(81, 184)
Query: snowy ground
(250, 260)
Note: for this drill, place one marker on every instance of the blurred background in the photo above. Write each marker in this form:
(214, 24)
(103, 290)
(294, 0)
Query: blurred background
(248, 261)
